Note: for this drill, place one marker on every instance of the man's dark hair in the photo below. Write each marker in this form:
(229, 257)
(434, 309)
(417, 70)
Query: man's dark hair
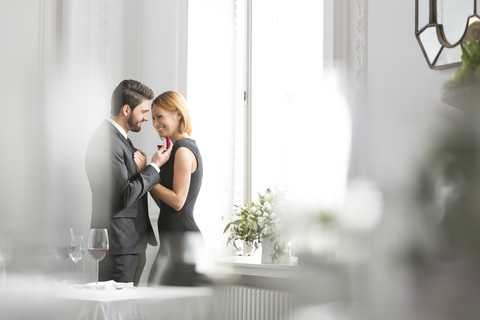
(129, 92)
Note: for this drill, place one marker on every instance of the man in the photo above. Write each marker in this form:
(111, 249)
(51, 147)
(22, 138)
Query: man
(120, 180)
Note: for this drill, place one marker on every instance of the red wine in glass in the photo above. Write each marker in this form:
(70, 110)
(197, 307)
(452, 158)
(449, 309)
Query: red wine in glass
(97, 246)
(97, 254)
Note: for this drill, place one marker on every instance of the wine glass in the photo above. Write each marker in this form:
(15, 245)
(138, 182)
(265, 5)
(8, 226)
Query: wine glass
(97, 247)
(76, 251)
(63, 243)
(6, 252)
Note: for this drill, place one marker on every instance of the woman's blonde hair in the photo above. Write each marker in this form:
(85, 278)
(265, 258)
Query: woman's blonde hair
(174, 101)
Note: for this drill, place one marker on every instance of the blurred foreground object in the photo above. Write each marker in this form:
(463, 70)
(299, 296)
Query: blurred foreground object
(181, 261)
(445, 255)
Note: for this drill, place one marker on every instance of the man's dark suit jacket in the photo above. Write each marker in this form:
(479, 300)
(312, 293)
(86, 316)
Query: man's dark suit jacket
(119, 193)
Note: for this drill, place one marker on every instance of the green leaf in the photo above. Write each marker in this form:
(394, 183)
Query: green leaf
(235, 223)
(227, 227)
(465, 55)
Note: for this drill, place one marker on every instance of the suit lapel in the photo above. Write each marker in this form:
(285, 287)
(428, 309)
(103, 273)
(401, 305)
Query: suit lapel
(128, 150)
(119, 136)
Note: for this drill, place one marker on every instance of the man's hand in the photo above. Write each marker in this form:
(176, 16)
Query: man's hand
(161, 156)
(140, 159)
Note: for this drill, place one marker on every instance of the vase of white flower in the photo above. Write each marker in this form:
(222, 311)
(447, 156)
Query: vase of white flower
(256, 221)
(275, 251)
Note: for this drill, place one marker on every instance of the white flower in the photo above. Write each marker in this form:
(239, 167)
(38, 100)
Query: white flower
(267, 206)
(259, 219)
(261, 222)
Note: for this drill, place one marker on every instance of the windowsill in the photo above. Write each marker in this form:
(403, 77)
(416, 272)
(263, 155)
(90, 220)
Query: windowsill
(255, 261)
(251, 266)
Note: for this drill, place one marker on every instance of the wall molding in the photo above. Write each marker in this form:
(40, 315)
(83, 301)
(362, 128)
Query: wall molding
(360, 48)
(347, 44)
(103, 38)
(182, 53)
(350, 54)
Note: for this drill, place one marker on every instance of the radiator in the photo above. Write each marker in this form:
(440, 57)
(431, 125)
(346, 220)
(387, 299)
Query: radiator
(245, 303)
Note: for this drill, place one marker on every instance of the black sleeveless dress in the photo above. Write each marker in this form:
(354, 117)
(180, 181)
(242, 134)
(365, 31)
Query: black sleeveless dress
(169, 219)
(176, 229)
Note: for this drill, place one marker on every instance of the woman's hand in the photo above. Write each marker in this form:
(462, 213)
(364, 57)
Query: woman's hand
(140, 159)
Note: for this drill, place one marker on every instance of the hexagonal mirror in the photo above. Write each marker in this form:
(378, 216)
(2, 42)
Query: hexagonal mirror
(440, 28)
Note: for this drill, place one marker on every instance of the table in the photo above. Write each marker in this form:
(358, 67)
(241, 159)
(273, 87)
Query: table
(39, 300)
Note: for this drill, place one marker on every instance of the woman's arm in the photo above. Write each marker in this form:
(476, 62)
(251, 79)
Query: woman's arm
(183, 167)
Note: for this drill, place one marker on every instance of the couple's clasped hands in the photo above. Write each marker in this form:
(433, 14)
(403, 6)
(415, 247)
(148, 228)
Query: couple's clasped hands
(159, 158)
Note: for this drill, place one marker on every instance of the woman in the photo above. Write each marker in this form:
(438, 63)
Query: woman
(181, 179)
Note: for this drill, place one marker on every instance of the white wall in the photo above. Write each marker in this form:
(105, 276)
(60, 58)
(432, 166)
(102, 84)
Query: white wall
(402, 116)
(404, 94)
(18, 90)
(22, 128)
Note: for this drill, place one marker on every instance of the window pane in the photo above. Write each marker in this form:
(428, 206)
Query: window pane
(298, 126)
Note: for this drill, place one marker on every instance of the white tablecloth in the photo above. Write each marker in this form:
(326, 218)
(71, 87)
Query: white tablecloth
(40, 301)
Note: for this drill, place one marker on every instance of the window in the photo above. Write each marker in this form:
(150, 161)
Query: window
(295, 123)
(264, 115)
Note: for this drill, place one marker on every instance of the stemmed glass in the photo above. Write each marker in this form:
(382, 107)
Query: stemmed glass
(6, 252)
(97, 247)
(76, 251)
(63, 243)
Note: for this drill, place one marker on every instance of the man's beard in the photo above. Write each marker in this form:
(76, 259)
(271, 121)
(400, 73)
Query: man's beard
(134, 127)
